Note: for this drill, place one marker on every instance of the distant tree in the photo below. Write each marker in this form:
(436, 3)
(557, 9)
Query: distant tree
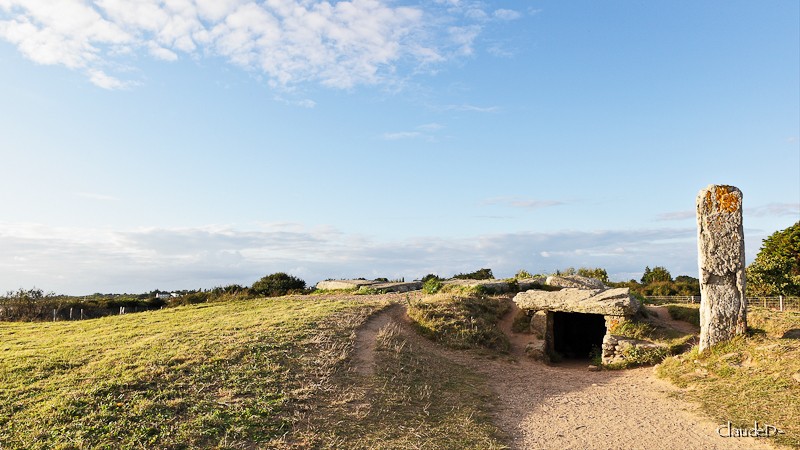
(523, 274)
(597, 273)
(481, 274)
(567, 271)
(686, 285)
(430, 276)
(278, 284)
(655, 274)
(776, 269)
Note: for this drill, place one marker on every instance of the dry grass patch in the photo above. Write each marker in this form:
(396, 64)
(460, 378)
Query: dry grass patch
(461, 322)
(751, 378)
(412, 401)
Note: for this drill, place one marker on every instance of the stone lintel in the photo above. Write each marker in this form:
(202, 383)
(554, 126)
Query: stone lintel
(608, 302)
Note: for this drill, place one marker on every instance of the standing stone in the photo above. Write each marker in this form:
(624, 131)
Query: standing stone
(720, 250)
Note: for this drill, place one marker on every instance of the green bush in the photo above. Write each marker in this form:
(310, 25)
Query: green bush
(481, 274)
(278, 284)
(432, 285)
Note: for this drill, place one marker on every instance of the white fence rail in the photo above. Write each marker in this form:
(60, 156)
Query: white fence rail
(779, 303)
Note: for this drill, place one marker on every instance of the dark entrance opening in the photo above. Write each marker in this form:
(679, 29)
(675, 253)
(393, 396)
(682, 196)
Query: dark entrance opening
(575, 335)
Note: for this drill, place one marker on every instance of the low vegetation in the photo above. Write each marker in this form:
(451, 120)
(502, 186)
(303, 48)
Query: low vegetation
(412, 399)
(461, 321)
(750, 378)
(686, 313)
(231, 375)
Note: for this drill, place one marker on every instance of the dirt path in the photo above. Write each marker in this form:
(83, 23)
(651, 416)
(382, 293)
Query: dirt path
(667, 320)
(568, 407)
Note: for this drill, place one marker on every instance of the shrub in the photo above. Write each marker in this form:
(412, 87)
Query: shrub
(278, 284)
(523, 274)
(432, 285)
(481, 274)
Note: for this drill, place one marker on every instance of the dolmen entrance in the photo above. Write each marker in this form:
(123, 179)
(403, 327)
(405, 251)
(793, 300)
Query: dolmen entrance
(574, 317)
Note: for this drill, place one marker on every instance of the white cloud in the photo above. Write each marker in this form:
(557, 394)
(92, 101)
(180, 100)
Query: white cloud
(340, 44)
(79, 261)
(431, 127)
(401, 135)
(774, 210)
(472, 108)
(676, 215)
(522, 203)
(100, 79)
(506, 14)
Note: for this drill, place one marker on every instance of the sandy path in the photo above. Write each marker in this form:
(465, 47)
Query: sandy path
(568, 407)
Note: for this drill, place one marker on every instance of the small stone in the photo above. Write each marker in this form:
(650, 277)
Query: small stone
(593, 368)
(796, 377)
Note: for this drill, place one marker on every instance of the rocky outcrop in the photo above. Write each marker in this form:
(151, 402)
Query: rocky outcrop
(575, 281)
(720, 248)
(405, 286)
(626, 350)
(379, 286)
(611, 302)
(331, 285)
(531, 283)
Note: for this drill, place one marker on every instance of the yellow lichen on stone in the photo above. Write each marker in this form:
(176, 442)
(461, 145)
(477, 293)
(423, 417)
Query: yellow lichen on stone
(726, 200)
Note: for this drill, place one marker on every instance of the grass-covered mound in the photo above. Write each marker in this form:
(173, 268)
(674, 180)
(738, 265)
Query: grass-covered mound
(229, 375)
(411, 400)
(750, 378)
(461, 321)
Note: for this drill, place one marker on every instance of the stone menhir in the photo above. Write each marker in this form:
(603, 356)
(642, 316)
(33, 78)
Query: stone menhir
(720, 251)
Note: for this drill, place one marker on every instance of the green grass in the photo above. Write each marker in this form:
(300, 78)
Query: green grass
(461, 322)
(413, 399)
(686, 313)
(227, 375)
(748, 378)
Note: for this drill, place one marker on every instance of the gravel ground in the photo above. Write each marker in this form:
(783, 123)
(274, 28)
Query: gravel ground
(568, 407)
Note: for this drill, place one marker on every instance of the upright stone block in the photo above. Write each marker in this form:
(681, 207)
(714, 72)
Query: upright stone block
(720, 245)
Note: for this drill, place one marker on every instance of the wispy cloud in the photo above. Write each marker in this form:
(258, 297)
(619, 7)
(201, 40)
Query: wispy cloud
(337, 44)
(401, 135)
(506, 14)
(676, 215)
(768, 210)
(426, 131)
(774, 210)
(72, 260)
(522, 203)
(89, 260)
(472, 108)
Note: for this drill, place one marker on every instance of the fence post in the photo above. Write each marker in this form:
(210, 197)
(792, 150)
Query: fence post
(70, 314)
(54, 315)
(81, 313)
(780, 299)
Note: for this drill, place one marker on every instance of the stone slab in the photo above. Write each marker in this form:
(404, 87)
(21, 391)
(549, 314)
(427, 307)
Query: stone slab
(344, 284)
(611, 302)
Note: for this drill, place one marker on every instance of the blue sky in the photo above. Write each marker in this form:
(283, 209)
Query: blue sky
(189, 144)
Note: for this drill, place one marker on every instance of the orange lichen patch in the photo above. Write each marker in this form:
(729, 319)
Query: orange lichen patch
(726, 199)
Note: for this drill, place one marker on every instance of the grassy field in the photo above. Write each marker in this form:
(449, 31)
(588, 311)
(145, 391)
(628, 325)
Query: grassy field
(246, 374)
(751, 378)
